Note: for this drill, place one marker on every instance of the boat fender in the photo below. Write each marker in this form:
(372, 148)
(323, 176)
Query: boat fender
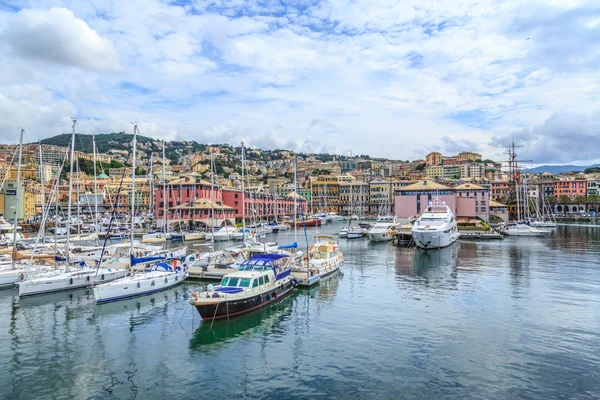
(139, 285)
(71, 281)
(102, 276)
(88, 278)
(153, 284)
(22, 276)
(176, 277)
(195, 295)
(166, 280)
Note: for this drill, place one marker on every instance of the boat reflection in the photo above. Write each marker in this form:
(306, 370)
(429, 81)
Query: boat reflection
(82, 296)
(144, 309)
(266, 321)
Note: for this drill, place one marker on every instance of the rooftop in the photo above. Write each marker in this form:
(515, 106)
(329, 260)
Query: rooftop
(424, 185)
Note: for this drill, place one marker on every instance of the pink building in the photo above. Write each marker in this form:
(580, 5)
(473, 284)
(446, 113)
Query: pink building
(189, 199)
(467, 200)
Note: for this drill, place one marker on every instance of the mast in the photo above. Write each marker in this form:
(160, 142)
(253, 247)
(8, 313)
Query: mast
(17, 197)
(133, 188)
(295, 204)
(243, 200)
(165, 202)
(68, 224)
(95, 186)
(311, 195)
(77, 196)
(212, 200)
(42, 179)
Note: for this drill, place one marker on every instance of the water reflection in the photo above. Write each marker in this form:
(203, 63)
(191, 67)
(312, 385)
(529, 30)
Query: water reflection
(142, 310)
(265, 321)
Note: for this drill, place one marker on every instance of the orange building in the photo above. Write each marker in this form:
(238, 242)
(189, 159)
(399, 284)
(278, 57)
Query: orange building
(500, 189)
(572, 188)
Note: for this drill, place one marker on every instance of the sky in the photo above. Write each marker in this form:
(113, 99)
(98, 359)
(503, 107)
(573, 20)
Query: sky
(394, 79)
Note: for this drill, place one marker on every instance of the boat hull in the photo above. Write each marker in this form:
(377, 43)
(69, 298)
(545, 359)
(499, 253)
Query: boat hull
(380, 236)
(233, 308)
(137, 287)
(314, 222)
(434, 240)
(66, 281)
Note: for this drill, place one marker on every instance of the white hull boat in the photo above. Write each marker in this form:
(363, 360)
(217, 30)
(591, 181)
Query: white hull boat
(526, 230)
(140, 284)
(436, 227)
(58, 281)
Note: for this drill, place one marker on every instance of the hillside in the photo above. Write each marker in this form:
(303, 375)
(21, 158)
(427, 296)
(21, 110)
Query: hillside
(557, 169)
(121, 141)
(173, 149)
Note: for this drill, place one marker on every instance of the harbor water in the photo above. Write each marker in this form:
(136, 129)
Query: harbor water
(518, 318)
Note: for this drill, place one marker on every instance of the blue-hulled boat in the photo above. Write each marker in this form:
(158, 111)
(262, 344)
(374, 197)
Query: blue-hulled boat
(260, 281)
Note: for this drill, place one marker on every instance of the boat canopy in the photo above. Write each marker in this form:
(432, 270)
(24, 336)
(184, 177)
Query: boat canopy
(288, 246)
(268, 257)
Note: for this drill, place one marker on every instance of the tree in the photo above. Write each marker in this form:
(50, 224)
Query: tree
(564, 199)
(591, 170)
(580, 200)
(420, 167)
(550, 200)
(593, 198)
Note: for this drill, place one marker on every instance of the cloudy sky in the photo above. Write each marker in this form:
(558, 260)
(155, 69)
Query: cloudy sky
(387, 78)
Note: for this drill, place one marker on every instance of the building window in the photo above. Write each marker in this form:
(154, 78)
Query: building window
(482, 209)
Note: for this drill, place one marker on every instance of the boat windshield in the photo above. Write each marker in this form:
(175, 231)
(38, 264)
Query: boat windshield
(235, 282)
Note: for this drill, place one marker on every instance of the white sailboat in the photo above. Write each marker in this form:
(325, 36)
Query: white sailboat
(66, 276)
(157, 277)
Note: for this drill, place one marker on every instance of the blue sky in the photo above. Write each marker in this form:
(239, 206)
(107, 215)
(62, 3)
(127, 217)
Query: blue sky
(389, 78)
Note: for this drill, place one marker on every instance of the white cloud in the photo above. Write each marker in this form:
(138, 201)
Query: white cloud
(387, 78)
(57, 36)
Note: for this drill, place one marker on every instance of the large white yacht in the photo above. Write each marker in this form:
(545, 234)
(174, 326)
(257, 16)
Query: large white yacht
(436, 227)
(384, 229)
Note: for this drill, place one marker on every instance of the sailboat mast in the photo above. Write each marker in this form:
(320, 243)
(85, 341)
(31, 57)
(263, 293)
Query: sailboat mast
(95, 186)
(212, 200)
(133, 186)
(164, 177)
(77, 197)
(70, 199)
(243, 199)
(43, 193)
(295, 203)
(17, 196)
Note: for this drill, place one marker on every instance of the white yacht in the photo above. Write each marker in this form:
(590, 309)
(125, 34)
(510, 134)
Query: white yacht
(384, 229)
(436, 227)
(543, 224)
(525, 230)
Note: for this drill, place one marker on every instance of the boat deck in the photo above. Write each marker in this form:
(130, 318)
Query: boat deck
(211, 273)
(481, 235)
(305, 281)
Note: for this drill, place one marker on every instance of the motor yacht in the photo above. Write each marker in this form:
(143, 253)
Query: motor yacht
(436, 227)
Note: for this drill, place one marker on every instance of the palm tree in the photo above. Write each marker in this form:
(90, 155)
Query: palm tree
(580, 200)
(564, 199)
(593, 198)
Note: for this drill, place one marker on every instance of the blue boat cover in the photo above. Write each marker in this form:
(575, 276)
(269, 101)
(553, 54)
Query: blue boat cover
(164, 266)
(138, 260)
(288, 246)
(268, 257)
(229, 290)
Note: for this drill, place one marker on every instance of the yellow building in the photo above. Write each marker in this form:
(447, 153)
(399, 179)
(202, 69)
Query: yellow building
(470, 156)
(433, 158)
(435, 171)
(325, 194)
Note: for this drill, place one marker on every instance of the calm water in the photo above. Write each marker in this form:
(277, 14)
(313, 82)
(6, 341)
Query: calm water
(511, 319)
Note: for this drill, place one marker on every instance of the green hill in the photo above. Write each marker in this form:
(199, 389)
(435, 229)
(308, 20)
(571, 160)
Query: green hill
(121, 141)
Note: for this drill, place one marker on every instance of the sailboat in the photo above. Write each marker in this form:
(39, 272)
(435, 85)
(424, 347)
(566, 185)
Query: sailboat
(521, 228)
(66, 276)
(155, 277)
